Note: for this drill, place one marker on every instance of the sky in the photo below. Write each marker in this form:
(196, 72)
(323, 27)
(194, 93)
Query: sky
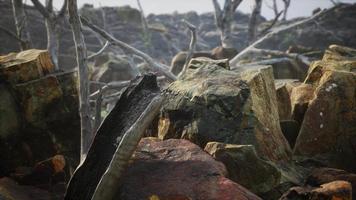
(298, 8)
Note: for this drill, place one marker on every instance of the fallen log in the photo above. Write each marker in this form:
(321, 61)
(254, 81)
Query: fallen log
(132, 103)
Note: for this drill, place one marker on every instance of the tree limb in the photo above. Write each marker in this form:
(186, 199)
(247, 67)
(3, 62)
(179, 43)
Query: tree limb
(269, 27)
(99, 52)
(63, 10)
(107, 187)
(41, 8)
(153, 64)
(237, 58)
(192, 46)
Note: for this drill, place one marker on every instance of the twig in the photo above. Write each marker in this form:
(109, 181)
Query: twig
(275, 20)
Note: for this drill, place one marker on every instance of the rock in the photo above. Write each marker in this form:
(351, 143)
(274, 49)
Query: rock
(109, 67)
(334, 190)
(328, 131)
(300, 98)
(278, 191)
(325, 175)
(210, 103)
(284, 88)
(44, 174)
(25, 66)
(177, 169)
(10, 190)
(245, 167)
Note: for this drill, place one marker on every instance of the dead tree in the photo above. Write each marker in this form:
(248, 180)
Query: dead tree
(286, 7)
(21, 24)
(81, 52)
(237, 58)
(53, 21)
(252, 28)
(145, 29)
(224, 18)
(155, 66)
(192, 45)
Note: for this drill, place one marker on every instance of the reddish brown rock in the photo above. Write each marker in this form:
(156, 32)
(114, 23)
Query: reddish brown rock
(177, 169)
(337, 190)
(325, 175)
(10, 190)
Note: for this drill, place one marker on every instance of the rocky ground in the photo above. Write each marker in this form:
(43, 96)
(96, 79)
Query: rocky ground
(255, 130)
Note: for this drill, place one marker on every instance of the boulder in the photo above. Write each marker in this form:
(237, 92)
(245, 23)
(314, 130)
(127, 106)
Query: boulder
(284, 89)
(245, 167)
(177, 169)
(108, 68)
(328, 131)
(10, 190)
(25, 66)
(321, 176)
(211, 103)
(334, 190)
(300, 98)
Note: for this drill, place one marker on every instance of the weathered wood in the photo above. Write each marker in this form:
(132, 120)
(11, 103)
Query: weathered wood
(192, 45)
(81, 52)
(109, 182)
(133, 101)
(223, 18)
(21, 24)
(237, 58)
(126, 47)
(252, 27)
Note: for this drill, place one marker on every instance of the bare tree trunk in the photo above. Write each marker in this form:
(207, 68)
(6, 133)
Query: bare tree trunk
(21, 24)
(53, 41)
(145, 29)
(53, 22)
(286, 7)
(252, 28)
(107, 187)
(81, 51)
(275, 7)
(224, 18)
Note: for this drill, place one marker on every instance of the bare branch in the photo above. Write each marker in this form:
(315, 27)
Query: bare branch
(275, 20)
(41, 8)
(237, 58)
(192, 46)
(218, 12)
(153, 64)
(49, 5)
(99, 52)
(11, 34)
(107, 187)
(81, 52)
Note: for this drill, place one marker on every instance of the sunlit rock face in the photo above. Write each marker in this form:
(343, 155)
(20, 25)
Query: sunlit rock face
(328, 130)
(212, 103)
(177, 169)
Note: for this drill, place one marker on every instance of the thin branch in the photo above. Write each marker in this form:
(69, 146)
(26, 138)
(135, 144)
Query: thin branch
(49, 5)
(107, 187)
(153, 64)
(81, 52)
(11, 34)
(99, 52)
(192, 46)
(275, 20)
(237, 58)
